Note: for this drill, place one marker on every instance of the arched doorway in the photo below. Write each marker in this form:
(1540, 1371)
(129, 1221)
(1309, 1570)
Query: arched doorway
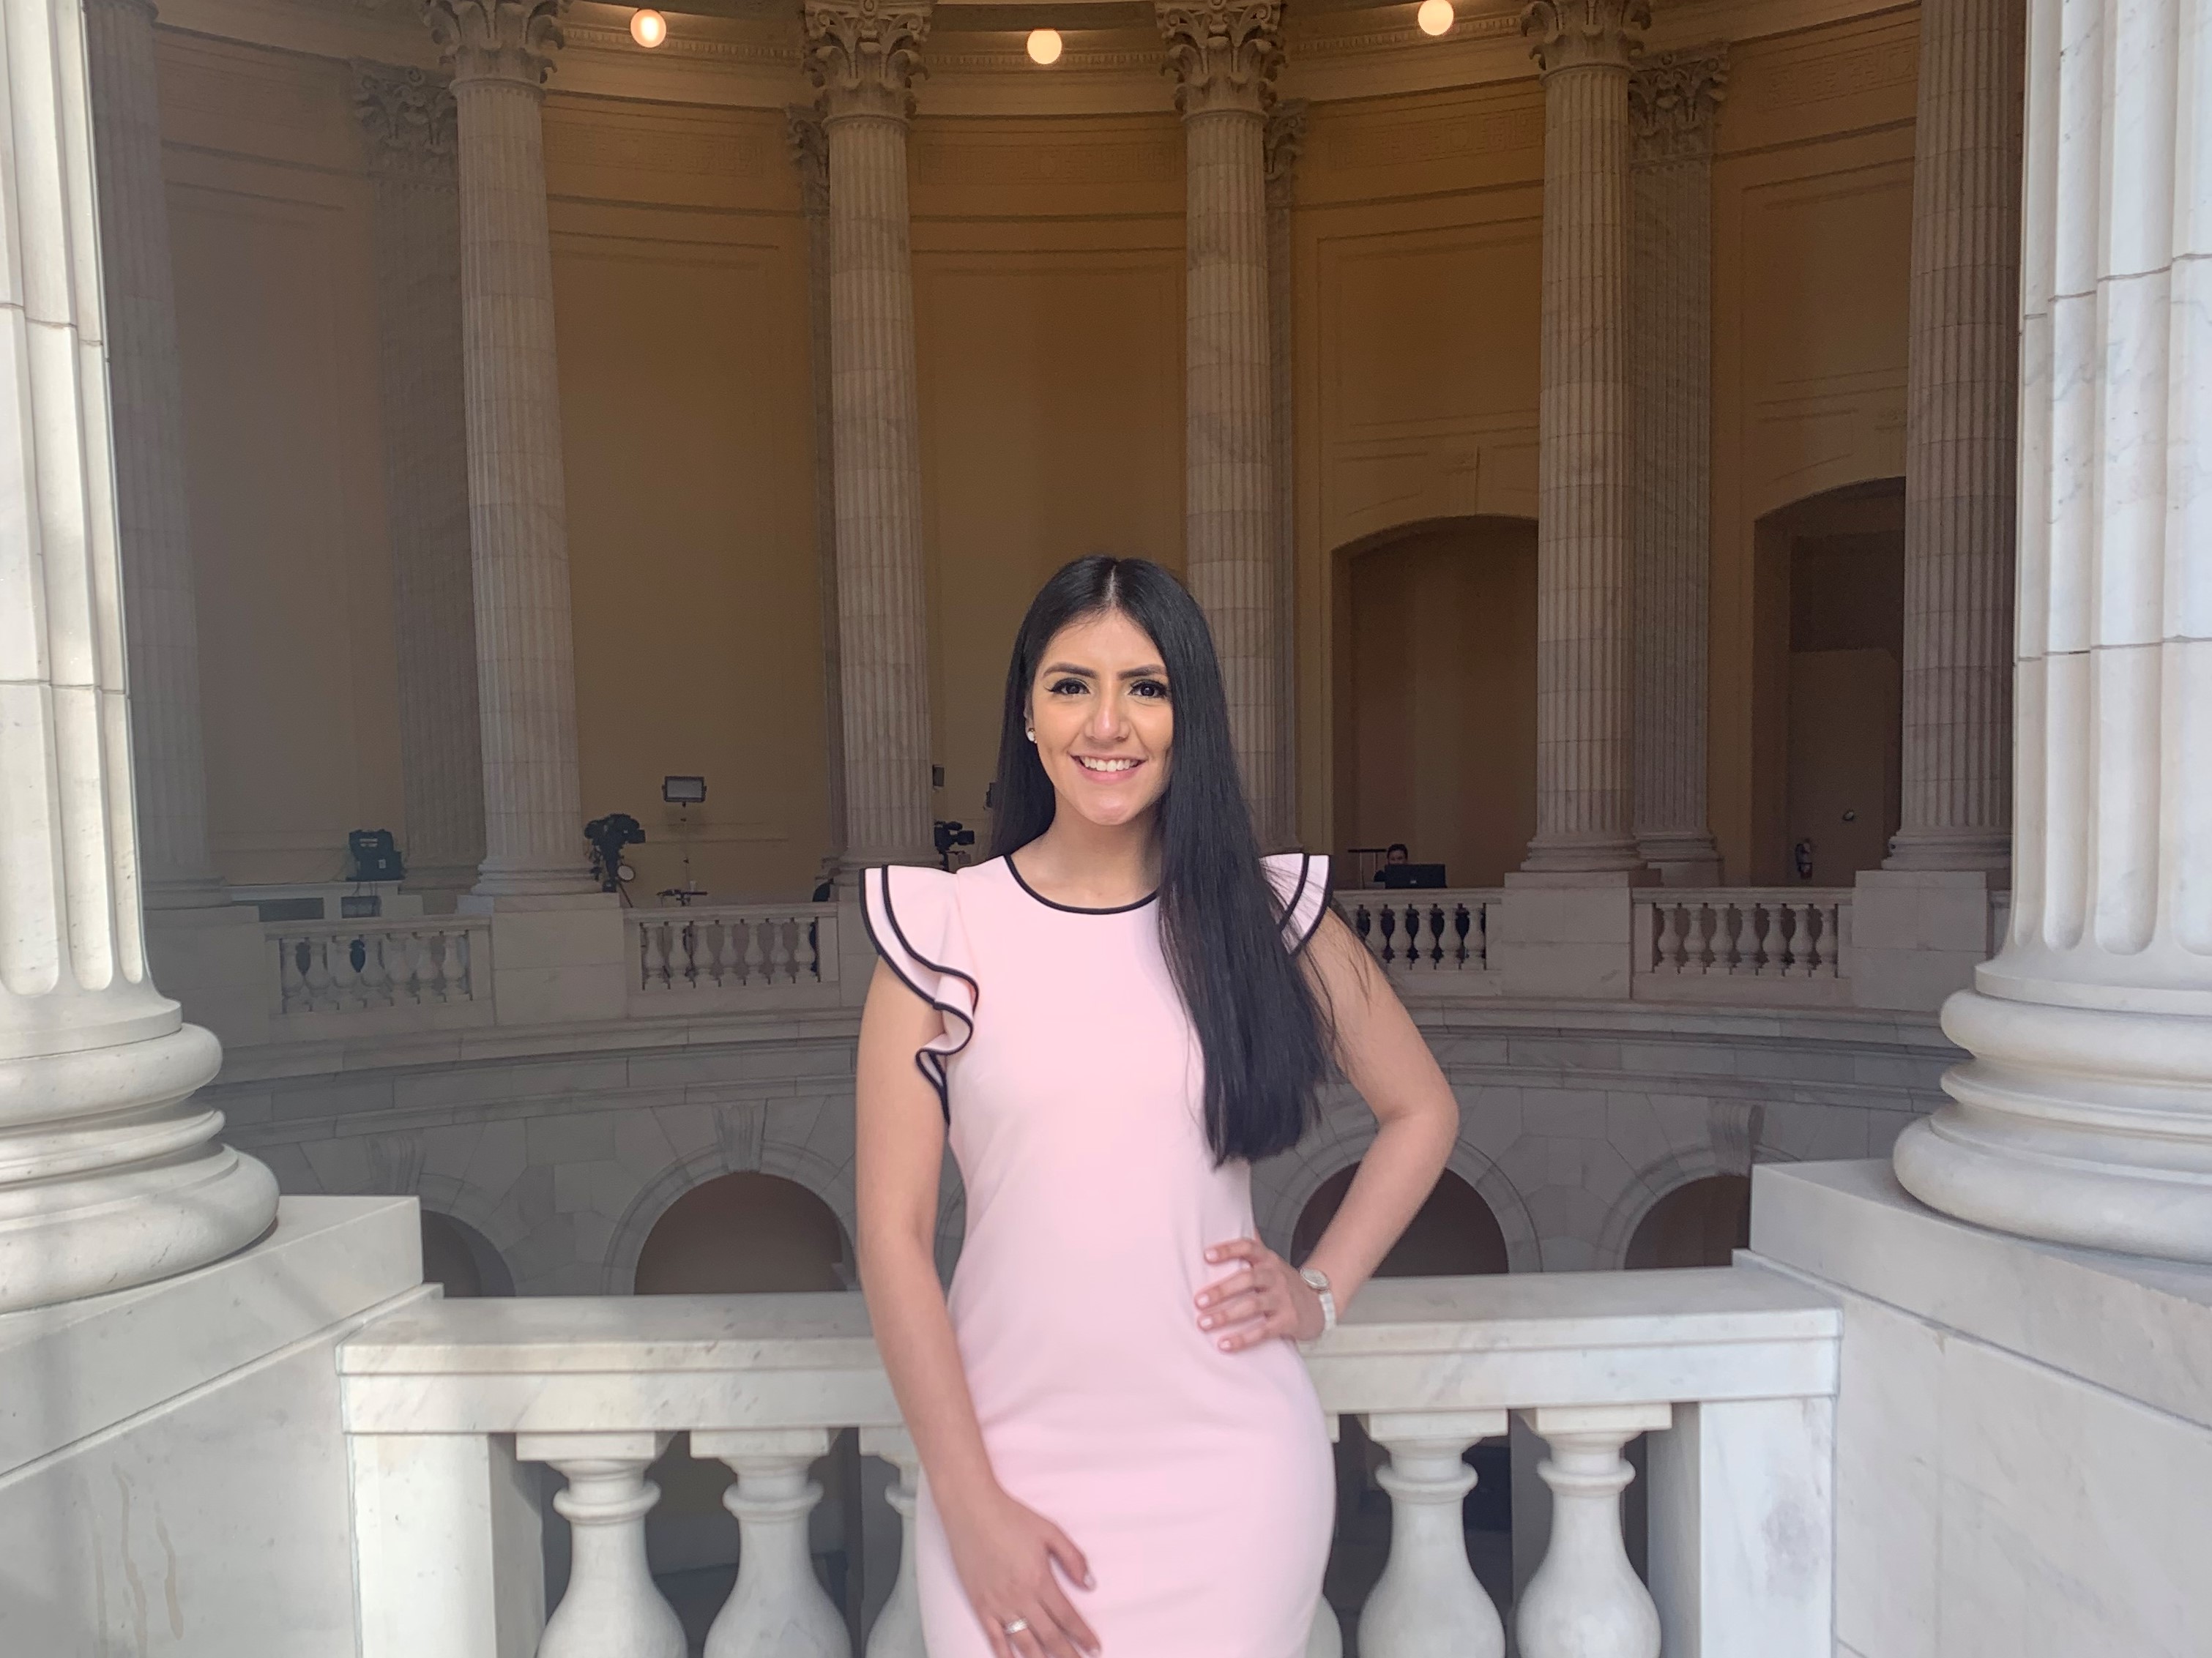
(746, 1234)
(1701, 1222)
(1826, 731)
(462, 1259)
(1435, 696)
(1455, 1233)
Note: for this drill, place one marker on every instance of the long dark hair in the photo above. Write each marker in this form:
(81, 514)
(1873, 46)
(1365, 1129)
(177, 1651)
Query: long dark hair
(1261, 1025)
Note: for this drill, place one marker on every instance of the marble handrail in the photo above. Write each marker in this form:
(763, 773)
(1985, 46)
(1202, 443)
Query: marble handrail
(1732, 1371)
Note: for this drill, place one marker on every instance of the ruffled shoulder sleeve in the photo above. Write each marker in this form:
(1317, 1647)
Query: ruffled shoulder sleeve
(913, 916)
(1301, 881)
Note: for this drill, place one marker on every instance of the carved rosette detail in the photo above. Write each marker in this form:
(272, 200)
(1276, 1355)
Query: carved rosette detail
(1223, 53)
(407, 119)
(1584, 33)
(809, 143)
(1286, 142)
(497, 39)
(1674, 102)
(863, 55)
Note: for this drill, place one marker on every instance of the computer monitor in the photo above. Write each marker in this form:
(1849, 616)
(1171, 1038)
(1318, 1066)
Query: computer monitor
(1397, 876)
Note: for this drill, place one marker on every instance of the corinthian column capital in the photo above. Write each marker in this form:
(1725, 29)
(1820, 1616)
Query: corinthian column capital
(406, 117)
(1674, 103)
(865, 56)
(1584, 33)
(497, 39)
(1223, 53)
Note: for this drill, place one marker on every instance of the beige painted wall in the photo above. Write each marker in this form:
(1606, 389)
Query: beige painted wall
(269, 222)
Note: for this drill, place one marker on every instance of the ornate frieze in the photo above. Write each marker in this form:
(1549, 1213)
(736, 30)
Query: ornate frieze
(497, 39)
(865, 54)
(406, 117)
(1584, 33)
(1223, 53)
(1674, 101)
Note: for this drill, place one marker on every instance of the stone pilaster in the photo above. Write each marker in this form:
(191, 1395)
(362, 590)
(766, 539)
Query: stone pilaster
(1285, 141)
(1961, 395)
(2085, 1116)
(1223, 54)
(500, 51)
(1673, 103)
(110, 1175)
(1585, 781)
(408, 128)
(153, 519)
(864, 57)
(810, 154)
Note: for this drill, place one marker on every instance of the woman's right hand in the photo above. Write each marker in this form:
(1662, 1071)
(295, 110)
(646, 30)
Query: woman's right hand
(1004, 1553)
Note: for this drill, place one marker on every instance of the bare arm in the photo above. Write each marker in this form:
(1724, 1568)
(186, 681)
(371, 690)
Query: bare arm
(1004, 1552)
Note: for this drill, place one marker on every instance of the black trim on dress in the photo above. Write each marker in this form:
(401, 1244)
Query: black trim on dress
(927, 1060)
(1298, 897)
(1014, 869)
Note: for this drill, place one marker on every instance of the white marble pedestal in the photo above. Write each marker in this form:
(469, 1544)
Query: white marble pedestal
(2023, 1431)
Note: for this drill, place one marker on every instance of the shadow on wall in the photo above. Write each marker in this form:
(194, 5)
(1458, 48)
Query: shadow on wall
(1829, 624)
(1435, 693)
(463, 1260)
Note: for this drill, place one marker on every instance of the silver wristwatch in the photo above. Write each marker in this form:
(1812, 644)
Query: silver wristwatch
(1317, 1281)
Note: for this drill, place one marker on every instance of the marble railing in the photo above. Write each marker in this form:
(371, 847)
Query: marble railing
(734, 954)
(1725, 943)
(1429, 932)
(414, 970)
(1731, 1372)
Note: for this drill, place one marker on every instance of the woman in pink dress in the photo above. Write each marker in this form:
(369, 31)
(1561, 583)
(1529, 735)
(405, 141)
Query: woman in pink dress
(1110, 1021)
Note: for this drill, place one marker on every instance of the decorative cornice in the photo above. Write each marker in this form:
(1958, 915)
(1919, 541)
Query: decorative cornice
(406, 117)
(1674, 101)
(1584, 33)
(863, 55)
(497, 39)
(1285, 141)
(1223, 53)
(809, 141)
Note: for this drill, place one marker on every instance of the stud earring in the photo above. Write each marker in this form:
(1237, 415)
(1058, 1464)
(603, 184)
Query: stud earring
(1031, 734)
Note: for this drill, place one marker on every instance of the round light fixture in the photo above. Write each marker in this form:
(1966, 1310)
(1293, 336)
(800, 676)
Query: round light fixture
(1044, 45)
(1436, 17)
(648, 28)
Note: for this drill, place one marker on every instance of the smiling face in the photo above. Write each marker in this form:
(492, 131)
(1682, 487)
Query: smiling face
(1103, 719)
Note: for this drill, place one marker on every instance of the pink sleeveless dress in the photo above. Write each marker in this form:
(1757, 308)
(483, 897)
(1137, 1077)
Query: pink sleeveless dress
(1198, 1484)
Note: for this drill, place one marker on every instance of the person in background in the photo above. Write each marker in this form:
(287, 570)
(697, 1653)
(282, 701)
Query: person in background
(1396, 854)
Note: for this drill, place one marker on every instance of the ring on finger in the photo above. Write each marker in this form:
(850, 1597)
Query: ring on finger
(1015, 1626)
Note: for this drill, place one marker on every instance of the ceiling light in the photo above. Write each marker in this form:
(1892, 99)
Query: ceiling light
(1044, 45)
(648, 27)
(1436, 17)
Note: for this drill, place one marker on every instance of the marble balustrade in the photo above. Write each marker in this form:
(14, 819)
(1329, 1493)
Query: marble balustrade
(1731, 1371)
(710, 948)
(1793, 941)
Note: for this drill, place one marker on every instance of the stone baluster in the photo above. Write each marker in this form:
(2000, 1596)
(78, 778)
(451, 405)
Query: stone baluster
(2085, 1115)
(501, 52)
(612, 1608)
(1585, 1600)
(1674, 106)
(864, 57)
(1585, 781)
(1961, 433)
(1669, 945)
(777, 1608)
(1427, 1601)
(897, 1632)
(653, 938)
(1223, 54)
(408, 129)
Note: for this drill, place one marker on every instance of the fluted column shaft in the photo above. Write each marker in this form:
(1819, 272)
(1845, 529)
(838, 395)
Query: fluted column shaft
(109, 1175)
(1673, 103)
(1585, 653)
(2086, 1114)
(500, 50)
(864, 60)
(153, 518)
(1285, 141)
(407, 125)
(1223, 53)
(1961, 388)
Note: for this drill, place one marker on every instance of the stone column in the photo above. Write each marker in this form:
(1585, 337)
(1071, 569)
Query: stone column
(2085, 1115)
(864, 57)
(408, 128)
(1673, 102)
(153, 521)
(1225, 54)
(109, 1175)
(1286, 142)
(809, 153)
(500, 51)
(1961, 391)
(1585, 656)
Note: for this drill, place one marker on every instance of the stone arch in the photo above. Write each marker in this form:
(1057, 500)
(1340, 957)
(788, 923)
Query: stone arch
(1283, 1187)
(487, 1269)
(1654, 1182)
